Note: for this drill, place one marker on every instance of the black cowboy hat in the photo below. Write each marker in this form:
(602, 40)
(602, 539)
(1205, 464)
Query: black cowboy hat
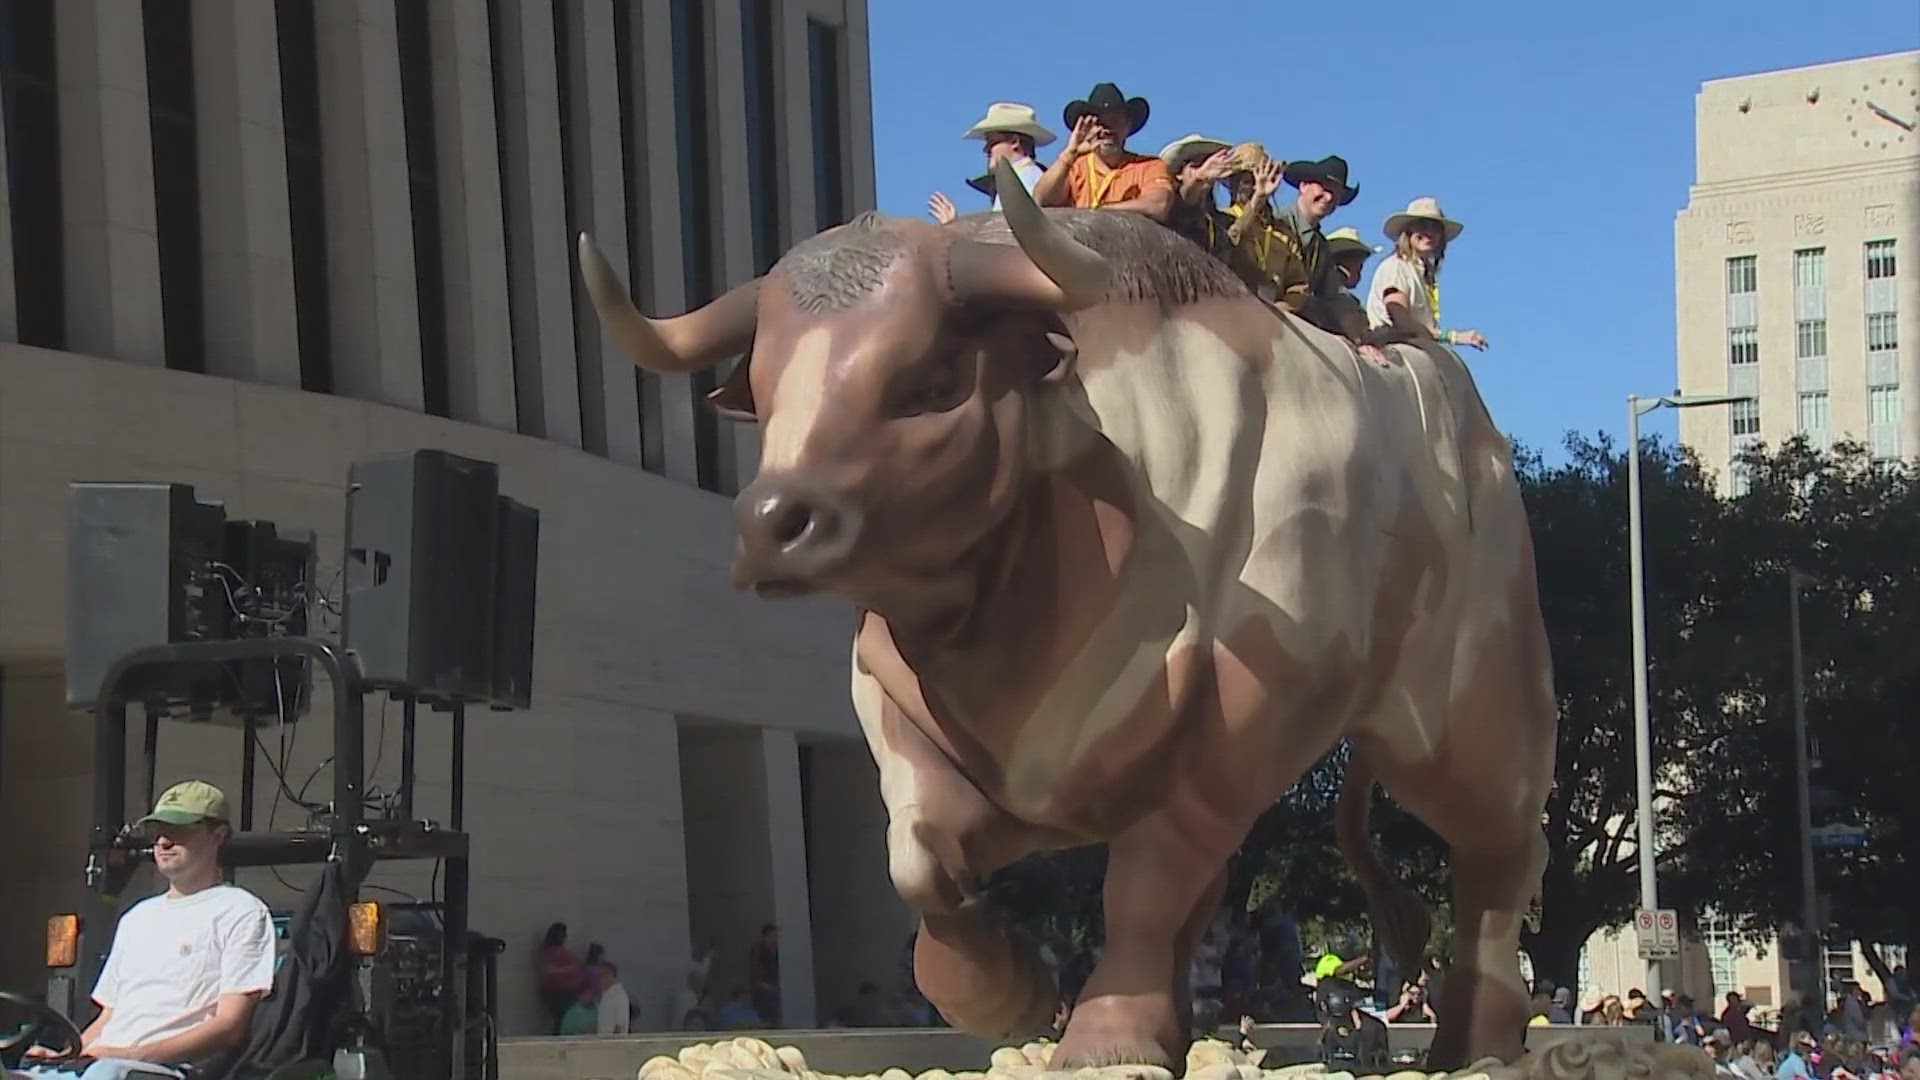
(1107, 96)
(1332, 169)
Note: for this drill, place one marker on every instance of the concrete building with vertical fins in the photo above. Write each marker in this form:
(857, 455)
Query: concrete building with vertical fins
(245, 243)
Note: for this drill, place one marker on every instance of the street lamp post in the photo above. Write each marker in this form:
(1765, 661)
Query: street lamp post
(1642, 725)
(1809, 901)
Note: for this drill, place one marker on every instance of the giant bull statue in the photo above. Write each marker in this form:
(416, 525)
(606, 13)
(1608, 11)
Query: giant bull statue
(1133, 549)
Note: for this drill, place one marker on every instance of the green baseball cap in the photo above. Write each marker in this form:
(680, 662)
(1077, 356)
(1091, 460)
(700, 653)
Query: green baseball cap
(188, 803)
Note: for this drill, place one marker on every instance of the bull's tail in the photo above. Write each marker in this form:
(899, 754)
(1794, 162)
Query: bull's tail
(1400, 918)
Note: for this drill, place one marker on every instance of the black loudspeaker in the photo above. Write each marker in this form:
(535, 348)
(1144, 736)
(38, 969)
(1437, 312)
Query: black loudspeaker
(517, 560)
(418, 606)
(139, 573)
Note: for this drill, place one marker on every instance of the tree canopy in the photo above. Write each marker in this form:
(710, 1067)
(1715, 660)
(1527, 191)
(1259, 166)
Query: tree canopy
(1721, 704)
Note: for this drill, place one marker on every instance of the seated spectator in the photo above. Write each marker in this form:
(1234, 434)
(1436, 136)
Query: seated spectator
(615, 1008)
(1009, 130)
(1095, 170)
(1405, 292)
(187, 967)
(738, 1013)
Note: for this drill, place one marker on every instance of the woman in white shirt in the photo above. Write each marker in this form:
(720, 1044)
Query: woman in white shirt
(1404, 294)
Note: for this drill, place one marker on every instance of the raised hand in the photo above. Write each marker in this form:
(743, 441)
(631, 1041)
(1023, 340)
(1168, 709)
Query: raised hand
(941, 208)
(1082, 140)
(1217, 167)
(1266, 179)
(1472, 338)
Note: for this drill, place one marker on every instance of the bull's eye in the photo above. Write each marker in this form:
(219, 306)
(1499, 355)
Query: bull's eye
(936, 386)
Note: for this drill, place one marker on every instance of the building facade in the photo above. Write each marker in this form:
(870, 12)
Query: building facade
(243, 244)
(1796, 275)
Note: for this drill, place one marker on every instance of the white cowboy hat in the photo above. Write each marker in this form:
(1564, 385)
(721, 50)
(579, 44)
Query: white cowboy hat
(1351, 235)
(1187, 147)
(1426, 208)
(1013, 117)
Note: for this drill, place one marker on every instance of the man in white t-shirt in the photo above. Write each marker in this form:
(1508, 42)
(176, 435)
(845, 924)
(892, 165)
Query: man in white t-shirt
(187, 967)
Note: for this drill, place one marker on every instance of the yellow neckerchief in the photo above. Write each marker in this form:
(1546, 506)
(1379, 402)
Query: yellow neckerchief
(1097, 184)
(1262, 241)
(1433, 300)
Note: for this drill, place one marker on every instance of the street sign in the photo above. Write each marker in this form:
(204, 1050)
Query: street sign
(1839, 837)
(1658, 932)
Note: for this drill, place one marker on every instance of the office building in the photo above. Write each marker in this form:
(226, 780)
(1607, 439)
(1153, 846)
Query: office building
(245, 243)
(1796, 275)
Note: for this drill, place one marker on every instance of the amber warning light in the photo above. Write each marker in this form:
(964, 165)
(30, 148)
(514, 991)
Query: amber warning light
(366, 929)
(63, 941)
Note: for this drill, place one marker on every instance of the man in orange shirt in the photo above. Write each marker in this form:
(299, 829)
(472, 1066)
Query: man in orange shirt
(1096, 171)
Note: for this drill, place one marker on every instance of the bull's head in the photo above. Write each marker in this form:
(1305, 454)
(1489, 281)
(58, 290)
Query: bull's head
(891, 365)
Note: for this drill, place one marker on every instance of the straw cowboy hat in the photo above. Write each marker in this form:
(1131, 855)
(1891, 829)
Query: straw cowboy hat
(1108, 96)
(1424, 208)
(1328, 170)
(1345, 242)
(1012, 117)
(1188, 147)
(1247, 157)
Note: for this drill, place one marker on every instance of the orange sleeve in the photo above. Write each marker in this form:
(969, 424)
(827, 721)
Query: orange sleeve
(1145, 175)
(1077, 185)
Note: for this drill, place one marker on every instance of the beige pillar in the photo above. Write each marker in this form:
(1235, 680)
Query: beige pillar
(472, 230)
(609, 390)
(370, 278)
(654, 199)
(541, 266)
(732, 202)
(106, 173)
(246, 240)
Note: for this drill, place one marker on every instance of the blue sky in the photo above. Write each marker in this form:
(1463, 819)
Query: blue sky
(1559, 131)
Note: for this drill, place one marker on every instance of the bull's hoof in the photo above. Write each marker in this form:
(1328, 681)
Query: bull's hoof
(1115, 1030)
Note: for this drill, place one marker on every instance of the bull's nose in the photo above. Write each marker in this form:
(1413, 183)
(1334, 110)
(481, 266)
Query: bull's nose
(788, 534)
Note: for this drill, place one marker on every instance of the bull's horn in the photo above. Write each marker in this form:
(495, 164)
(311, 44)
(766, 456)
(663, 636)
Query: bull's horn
(1081, 274)
(700, 338)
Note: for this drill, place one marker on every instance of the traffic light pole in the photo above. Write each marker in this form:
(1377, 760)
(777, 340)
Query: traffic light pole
(1809, 900)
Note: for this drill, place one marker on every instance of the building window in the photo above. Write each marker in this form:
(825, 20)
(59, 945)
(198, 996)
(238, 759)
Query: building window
(1746, 417)
(1815, 418)
(32, 107)
(687, 20)
(1741, 479)
(1724, 949)
(1882, 331)
(1743, 275)
(1810, 339)
(759, 48)
(1810, 271)
(306, 191)
(1743, 345)
(626, 61)
(824, 81)
(1883, 419)
(1879, 259)
(423, 189)
(168, 29)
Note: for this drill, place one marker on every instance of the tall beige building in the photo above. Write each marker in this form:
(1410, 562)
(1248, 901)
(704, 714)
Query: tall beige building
(245, 243)
(1797, 277)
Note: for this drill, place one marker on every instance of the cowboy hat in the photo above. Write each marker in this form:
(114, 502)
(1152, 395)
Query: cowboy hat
(1427, 208)
(1013, 118)
(1344, 242)
(1188, 147)
(1248, 157)
(1108, 96)
(1328, 170)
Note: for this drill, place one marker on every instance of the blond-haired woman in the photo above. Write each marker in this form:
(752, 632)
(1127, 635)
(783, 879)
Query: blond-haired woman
(1404, 294)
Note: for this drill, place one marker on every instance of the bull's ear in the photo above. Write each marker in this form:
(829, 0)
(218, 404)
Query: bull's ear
(733, 399)
(1063, 365)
